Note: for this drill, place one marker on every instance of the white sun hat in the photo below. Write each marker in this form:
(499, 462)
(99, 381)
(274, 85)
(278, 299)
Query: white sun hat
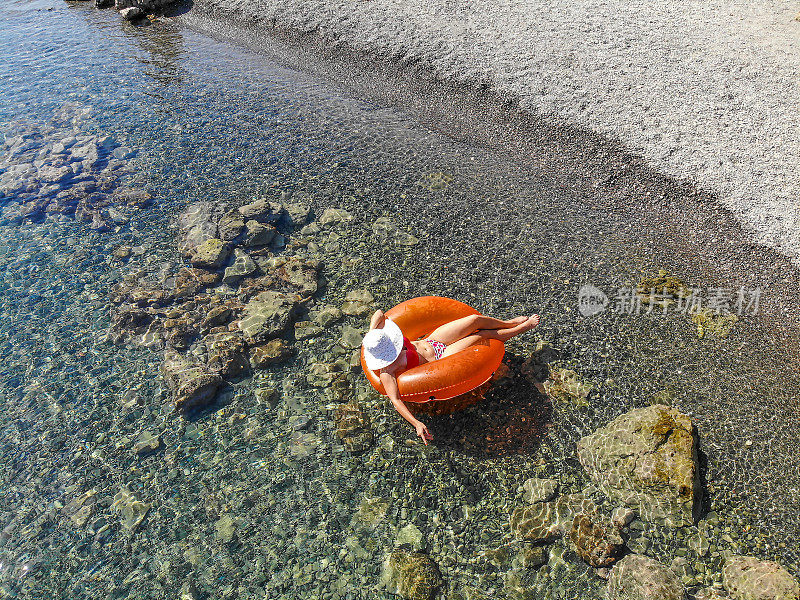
(382, 346)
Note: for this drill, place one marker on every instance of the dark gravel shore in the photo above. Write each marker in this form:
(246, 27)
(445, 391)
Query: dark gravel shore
(705, 91)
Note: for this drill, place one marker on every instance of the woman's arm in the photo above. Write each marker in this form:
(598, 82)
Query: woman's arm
(378, 320)
(390, 386)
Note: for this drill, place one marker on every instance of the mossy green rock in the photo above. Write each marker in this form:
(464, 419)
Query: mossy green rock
(747, 578)
(647, 458)
(411, 575)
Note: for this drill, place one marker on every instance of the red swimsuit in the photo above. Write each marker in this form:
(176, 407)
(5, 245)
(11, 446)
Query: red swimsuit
(412, 358)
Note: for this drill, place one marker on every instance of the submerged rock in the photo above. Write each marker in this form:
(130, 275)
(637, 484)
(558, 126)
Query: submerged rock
(197, 224)
(304, 330)
(327, 315)
(258, 234)
(227, 354)
(132, 13)
(263, 211)
(242, 266)
(334, 216)
(386, 230)
(192, 385)
(298, 273)
(267, 315)
(622, 516)
(298, 214)
(132, 511)
(211, 254)
(565, 386)
(272, 352)
(638, 577)
(530, 557)
(710, 593)
(371, 511)
(539, 490)
(411, 575)
(357, 302)
(547, 521)
(146, 443)
(662, 290)
(595, 541)
(710, 322)
(219, 315)
(189, 281)
(437, 180)
(230, 226)
(647, 458)
(225, 528)
(79, 509)
(410, 536)
(352, 427)
(747, 578)
(149, 6)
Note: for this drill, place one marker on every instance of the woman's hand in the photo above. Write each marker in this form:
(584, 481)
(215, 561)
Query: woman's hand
(378, 320)
(423, 432)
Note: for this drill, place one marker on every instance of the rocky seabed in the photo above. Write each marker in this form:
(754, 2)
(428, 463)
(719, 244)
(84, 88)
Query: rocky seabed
(58, 170)
(246, 301)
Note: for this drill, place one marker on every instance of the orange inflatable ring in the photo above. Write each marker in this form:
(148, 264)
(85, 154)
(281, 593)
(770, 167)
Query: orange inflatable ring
(447, 377)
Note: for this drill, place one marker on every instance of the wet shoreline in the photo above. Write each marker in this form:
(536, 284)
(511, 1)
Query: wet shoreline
(609, 69)
(600, 173)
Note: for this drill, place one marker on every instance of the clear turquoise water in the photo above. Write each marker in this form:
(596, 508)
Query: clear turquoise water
(209, 121)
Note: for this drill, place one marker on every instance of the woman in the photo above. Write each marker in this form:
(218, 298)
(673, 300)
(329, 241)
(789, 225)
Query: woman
(388, 352)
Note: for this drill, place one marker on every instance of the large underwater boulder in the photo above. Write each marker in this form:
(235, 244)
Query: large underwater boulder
(647, 458)
(747, 578)
(638, 577)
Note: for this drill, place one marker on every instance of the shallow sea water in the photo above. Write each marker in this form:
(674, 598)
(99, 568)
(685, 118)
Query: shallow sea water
(209, 121)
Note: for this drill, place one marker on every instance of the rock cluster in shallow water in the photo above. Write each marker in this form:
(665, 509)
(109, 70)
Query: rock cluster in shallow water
(575, 517)
(223, 313)
(59, 170)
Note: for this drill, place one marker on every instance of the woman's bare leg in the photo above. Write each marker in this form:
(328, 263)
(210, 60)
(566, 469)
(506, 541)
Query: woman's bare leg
(506, 334)
(463, 343)
(503, 335)
(461, 328)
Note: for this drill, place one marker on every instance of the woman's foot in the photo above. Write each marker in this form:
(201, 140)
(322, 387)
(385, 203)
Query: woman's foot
(529, 323)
